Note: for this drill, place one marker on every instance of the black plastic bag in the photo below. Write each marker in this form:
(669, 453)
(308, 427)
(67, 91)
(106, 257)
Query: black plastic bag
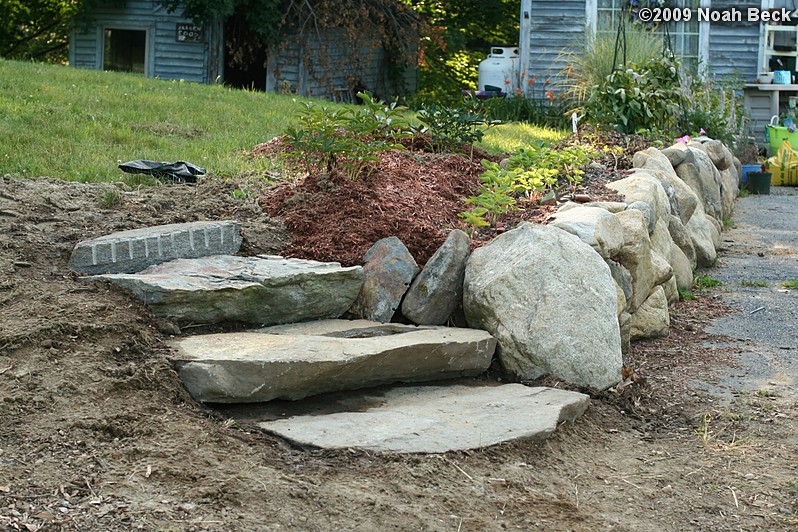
(178, 172)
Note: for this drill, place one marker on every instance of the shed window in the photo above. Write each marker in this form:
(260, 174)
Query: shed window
(125, 50)
(684, 36)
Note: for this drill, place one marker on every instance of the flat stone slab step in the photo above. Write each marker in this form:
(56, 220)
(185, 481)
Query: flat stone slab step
(260, 290)
(134, 250)
(297, 361)
(437, 419)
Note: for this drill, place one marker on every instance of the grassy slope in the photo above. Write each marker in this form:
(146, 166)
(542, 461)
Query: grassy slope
(79, 124)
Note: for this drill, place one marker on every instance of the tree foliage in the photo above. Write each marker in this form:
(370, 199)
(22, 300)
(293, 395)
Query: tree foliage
(38, 29)
(457, 36)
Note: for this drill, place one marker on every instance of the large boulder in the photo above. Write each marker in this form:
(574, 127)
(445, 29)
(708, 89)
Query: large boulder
(701, 175)
(438, 289)
(647, 267)
(261, 290)
(681, 238)
(654, 159)
(299, 360)
(594, 226)
(662, 241)
(702, 234)
(389, 269)
(652, 319)
(137, 249)
(645, 187)
(550, 301)
(728, 191)
(678, 192)
(719, 154)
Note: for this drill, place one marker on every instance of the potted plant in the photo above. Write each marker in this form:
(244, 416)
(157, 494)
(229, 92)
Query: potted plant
(749, 154)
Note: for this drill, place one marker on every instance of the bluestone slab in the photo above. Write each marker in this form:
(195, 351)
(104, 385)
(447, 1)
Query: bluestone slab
(293, 362)
(134, 250)
(260, 290)
(437, 419)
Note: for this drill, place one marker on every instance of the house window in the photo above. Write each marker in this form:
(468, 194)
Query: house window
(685, 37)
(125, 50)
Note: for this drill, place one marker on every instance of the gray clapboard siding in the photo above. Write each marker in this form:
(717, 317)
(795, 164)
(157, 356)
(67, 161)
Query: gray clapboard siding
(554, 26)
(734, 47)
(328, 70)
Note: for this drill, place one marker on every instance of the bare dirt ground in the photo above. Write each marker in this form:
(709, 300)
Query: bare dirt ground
(96, 432)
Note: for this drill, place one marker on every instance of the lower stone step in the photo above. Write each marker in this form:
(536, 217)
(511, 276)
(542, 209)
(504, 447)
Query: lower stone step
(297, 361)
(437, 419)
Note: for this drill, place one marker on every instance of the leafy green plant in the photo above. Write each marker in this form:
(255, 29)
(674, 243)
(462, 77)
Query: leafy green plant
(792, 283)
(241, 193)
(529, 173)
(640, 98)
(329, 139)
(687, 295)
(704, 281)
(450, 128)
(714, 107)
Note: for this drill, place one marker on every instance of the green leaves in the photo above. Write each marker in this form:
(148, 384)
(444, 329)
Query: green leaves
(450, 128)
(647, 96)
(346, 139)
(528, 174)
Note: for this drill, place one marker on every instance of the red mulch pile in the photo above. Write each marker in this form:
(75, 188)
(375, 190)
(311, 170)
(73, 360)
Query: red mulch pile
(413, 195)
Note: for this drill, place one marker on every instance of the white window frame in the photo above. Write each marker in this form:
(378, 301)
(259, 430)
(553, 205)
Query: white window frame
(591, 16)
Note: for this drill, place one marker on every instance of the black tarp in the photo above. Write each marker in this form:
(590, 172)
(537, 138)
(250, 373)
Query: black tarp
(177, 172)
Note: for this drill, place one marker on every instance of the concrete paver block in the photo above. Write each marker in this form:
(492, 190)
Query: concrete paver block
(133, 251)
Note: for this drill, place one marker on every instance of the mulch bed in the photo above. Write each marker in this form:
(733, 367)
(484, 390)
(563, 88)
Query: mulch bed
(413, 195)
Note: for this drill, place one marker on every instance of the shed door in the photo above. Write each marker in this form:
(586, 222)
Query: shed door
(125, 50)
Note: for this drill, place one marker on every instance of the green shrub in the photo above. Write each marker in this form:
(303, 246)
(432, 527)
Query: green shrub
(714, 106)
(344, 139)
(590, 63)
(529, 174)
(450, 128)
(640, 98)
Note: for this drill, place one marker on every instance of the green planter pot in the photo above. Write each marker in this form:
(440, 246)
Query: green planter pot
(758, 182)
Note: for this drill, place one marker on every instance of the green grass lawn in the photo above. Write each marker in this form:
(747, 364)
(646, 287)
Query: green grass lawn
(78, 125)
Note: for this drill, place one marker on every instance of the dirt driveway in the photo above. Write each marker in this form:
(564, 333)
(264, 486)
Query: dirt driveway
(97, 434)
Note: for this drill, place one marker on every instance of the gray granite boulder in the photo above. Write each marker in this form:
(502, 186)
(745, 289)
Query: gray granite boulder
(644, 186)
(652, 319)
(647, 266)
(389, 269)
(550, 301)
(702, 234)
(719, 154)
(594, 226)
(438, 289)
(681, 238)
(261, 290)
(701, 175)
(300, 360)
(134, 250)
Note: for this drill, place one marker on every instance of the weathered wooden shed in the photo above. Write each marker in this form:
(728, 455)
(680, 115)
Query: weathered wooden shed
(142, 36)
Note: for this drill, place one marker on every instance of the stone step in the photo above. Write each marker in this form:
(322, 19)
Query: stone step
(437, 419)
(134, 250)
(297, 361)
(261, 290)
